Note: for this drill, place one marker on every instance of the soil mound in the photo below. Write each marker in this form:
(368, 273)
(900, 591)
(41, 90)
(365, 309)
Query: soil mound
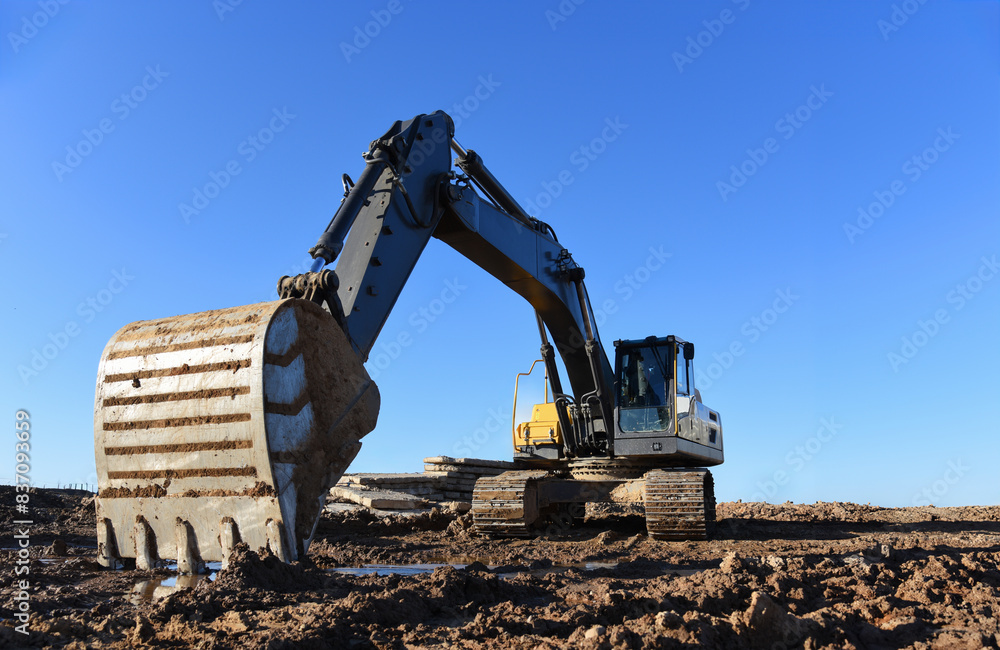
(249, 569)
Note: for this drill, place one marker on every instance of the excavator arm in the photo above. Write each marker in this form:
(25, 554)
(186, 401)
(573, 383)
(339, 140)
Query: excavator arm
(408, 193)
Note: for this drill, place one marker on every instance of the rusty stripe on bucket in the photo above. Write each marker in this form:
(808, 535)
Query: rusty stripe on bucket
(186, 369)
(174, 347)
(203, 315)
(156, 398)
(147, 331)
(261, 489)
(179, 448)
(184, 473)
(177, 422)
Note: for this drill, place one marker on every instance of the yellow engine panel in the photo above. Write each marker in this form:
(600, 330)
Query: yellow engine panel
(542, 429)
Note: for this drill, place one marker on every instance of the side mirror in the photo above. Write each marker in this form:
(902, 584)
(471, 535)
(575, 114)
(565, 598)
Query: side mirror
(688, 351)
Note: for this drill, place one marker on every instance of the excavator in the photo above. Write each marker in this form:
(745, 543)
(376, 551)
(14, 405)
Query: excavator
(231, 425)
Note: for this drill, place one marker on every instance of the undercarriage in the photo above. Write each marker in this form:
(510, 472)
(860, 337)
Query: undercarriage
(679, 503)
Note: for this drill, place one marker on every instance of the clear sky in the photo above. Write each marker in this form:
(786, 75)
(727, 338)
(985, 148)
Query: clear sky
(809, 191)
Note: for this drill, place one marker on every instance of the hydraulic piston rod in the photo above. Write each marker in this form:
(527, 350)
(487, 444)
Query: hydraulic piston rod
(472, 164)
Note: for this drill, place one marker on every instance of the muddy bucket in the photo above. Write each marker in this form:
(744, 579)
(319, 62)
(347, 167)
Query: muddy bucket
(224, 426)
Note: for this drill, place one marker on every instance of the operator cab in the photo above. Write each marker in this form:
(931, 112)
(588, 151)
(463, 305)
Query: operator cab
(658, 412)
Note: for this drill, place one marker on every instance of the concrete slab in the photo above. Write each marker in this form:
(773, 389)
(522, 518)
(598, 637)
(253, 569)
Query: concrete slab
(378, 499)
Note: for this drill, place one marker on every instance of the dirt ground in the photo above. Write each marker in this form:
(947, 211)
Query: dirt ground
(827, 575)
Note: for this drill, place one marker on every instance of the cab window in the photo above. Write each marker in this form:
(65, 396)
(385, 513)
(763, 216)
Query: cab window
(683, 375)
(643, 398)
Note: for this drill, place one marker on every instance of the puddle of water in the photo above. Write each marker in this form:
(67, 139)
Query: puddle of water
(462, 560)
(150, 590)
(559, 568)
(392, 569)
(592, 566)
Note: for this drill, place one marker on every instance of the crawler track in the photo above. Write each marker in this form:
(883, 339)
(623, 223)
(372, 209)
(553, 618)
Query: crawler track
(506, 505)
(680, 504)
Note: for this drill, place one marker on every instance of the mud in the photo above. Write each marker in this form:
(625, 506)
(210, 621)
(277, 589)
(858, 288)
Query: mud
(826, 575)
(214, 445)
(345, 402)
(150, 329)
(183, 473)
(163, 423)
(134, 493)
(175, 347)
(158, 398)
(185, 369)
(260, 489)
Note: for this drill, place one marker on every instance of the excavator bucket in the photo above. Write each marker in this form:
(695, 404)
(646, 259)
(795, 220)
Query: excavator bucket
(224, 426)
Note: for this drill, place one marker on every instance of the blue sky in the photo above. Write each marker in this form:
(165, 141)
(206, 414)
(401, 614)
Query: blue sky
(816, 184)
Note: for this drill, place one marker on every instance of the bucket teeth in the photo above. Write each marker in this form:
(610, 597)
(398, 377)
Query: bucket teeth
(145, 545)
(107, 546)
(229, 537)
(187, 548)
(224, 426)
